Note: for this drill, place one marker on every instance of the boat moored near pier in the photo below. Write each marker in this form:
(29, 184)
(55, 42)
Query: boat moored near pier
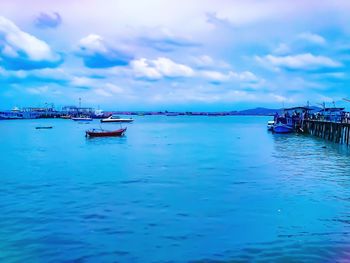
(282, 128)
(291, 120)
(270, 125)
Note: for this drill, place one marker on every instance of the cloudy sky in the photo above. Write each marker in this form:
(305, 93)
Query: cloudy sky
(175, 55)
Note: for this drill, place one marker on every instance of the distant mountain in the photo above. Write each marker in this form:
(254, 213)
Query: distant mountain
(268, 112)
(260, 111)
(254, 112)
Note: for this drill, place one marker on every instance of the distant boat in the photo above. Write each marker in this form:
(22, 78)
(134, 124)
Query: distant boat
(270, 125)
(82, 119)
(65, 117)
(43, 127)
(104, 133)
(114, 118)
(172, 114)
(98, 113)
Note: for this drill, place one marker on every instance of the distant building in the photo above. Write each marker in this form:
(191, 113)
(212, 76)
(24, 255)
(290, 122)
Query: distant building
(9, 115)
(75, 111)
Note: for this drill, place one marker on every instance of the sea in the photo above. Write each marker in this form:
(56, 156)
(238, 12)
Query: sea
(173, 189)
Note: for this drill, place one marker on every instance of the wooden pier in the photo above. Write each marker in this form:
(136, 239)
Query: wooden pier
(337, 132)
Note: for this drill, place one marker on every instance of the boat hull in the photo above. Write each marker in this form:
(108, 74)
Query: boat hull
(96, 133)
(282, 128)
(116, 120)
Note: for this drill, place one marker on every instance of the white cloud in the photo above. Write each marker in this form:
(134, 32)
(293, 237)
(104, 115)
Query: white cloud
(16, 42)
(215, 75)
(203, 60)
(278, 98)
(159, 68)
(304, 61)
(312, 38)
(18, 74)
(38, 90)
(206, 61)
(109, 90)
(93, 43)
(282, 49)
(245, 76)
(98, 53)
(82, 82)
(58, 74)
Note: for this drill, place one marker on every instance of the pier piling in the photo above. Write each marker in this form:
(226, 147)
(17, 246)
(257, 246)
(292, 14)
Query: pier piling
(338, 132)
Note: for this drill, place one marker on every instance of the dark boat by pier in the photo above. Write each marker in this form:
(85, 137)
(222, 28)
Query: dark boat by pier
(104, 133)
(291, 120)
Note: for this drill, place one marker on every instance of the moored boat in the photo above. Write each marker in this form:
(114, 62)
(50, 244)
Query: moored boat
(114, 118)
(291, 120)
(282, 128)
(270, 125)
(82, 119)
(104, 133)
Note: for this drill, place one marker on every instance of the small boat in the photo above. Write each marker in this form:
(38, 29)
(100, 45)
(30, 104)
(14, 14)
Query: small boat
(270, 125)
(104, 133)
(172, 114)
(291, 120)
(43, 127)
(282, 128)
(82, 119)
(114, 118)
(66, 117)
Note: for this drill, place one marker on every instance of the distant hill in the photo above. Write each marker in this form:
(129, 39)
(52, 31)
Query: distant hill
(259, 111)
(268, 112)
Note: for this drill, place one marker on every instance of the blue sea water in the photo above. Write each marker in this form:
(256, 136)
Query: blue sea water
(174, 189)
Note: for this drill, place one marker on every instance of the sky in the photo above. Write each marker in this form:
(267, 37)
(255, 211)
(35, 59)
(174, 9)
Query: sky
(174, 55)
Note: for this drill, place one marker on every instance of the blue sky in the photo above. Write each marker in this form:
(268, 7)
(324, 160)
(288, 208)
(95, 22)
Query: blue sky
(158, 55)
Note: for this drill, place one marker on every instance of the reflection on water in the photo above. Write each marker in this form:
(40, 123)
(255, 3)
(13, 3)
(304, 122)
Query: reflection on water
(106, 140)
(173, 189)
